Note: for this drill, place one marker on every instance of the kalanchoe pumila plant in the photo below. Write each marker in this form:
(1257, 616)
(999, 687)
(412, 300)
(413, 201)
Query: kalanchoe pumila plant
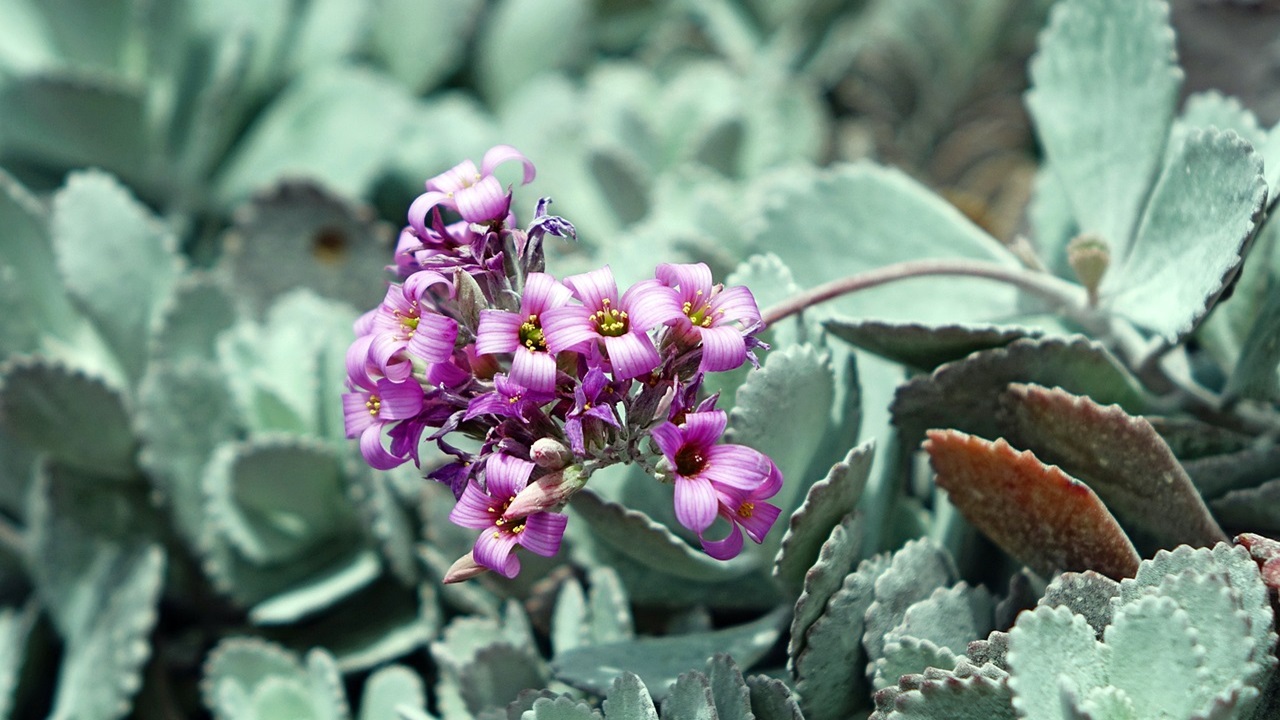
(531, 384)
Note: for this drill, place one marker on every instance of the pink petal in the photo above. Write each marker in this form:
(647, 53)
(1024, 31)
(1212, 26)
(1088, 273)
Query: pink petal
(543, 532)
(455, 178)
(534, 370)
(387, 353)
(722, 349)
(499, 154)
(373, 451)
(541, 293)
(482, 202)
(695, 503)
(594, 287)
(567, 328)
(762, 517)
(669, 440)
(493, 550)
(358, 362)
(434, 338)
(473, 509)
(417, 284)
(734, 303)
(499, 332)
(737, 466)
(690, 278)
(631, 355)
(506, 476)
(649, 303)
(727, 548)
(355, 413)
(400, 401)
(703, 429)
(422, 206)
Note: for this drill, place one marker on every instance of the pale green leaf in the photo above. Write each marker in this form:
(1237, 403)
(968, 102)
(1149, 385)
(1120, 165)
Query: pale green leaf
(1104, 85)
(1052, 649)
(422, 43)
(389, 688)
(628, 699)
(521, 39)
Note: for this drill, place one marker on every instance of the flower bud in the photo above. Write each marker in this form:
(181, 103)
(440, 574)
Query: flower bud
(550, 453)
(549, 491)
(1089, 255)
(464, 568)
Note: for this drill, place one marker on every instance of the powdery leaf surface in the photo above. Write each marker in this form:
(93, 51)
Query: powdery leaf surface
(1036, 513)
(924, 346)
(1121, 457)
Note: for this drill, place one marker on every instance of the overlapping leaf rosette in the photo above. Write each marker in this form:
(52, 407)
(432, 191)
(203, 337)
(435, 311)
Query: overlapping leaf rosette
(530, 384)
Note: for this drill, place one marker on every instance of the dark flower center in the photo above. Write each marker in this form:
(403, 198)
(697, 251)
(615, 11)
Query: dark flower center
(689, 461)
(514, 526)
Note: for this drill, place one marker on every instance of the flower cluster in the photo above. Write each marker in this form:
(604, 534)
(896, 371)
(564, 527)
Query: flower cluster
(529, 384)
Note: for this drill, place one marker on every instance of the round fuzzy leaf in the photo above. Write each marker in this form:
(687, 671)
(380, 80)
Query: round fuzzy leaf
(282, 697)
(561, 708)
(917, 569)
(965, 394)
(862, 217)
(1120, 457)
(338, 126)
(117, 260)
(1152, 638)
(658, 661)
(297, 234)
(524, 38)
(641, 539)
(391, 687)
(970, 698)
(1086, 593)
(1104, 84)
(243, 663)
(1215, 614)
(77, 419)
(827, 671)
(783, 410)
(629, 699)
(201, 307)
(1213, 109)
(318, 592)
(1198, 223)
(732, 698)
(908, 656)
(836, 560)
(924, 347)
(827, 502)
(690, 698)
(950, 618)
(771, 699)
(1034, 512)
(1050, 648)
(30, 287)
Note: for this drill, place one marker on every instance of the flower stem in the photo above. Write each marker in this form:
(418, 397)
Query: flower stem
(1066, 296)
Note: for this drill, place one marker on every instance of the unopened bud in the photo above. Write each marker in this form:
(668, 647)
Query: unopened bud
(547, 492)
(550, 453)
(464, 568)
(1089, 256)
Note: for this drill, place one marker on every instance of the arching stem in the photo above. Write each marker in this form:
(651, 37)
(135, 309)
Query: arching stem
(1068, 298)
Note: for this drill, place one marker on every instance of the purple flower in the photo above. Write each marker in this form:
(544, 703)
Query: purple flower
(373, 405)
(621, 324)
(744, 511)
(508, 399)
(588, 403)
(475, 194)
(403, 329)
(482, 509)
(711, 314)
(533, 366)
(700, 466)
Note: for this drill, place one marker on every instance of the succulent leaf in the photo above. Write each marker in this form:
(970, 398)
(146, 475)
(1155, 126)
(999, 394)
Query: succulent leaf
(728, 689)
(908, 656)
(1035, 512)
(950, 618)
(200, 308)
(390, 688)
(827, 505)
(1084, 593)
(1153, 637)
(1120, 457)
(771, 699)
(628, 699)
(915, 571)
(690, 697)
(561, 708)
(1052, 650)
(1191, 241)
(837, 558)
(525, 38)
(1104, 84)
(950, 698)
(925, 347)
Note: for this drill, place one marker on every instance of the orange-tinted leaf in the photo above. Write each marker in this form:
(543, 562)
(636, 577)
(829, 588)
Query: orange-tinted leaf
(1035, 512)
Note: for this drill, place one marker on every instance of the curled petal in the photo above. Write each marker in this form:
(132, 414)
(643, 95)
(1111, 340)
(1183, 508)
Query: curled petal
(373, 452)
(722, 349)
(422, 206)
(358, 362)
(759, 520)
(499, 154)
(483, 202)
(506, 476)
(434, 338)
(387, 353)
(493, 550)
(417, 284)
(499, 332)
(541, 293)
(400, 401)
(455, 178)
(734, 303)
(649, 303)
(356, 417)
(669, 440)
(594, 287)
(631, 355)
(695, 502)
(689, 278)
(726, 548)
(543, 532)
